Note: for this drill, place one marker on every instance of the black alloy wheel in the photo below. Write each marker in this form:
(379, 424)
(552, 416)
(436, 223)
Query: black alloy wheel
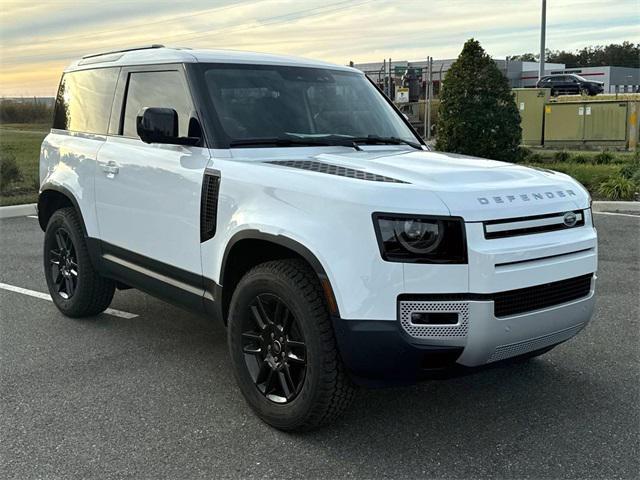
(63, 263)
(75, 286)
(284, 352)
(274, 349)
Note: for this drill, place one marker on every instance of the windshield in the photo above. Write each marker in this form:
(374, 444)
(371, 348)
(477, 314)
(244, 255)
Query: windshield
(316, 105)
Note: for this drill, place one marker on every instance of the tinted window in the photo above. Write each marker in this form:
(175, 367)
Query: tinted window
(84, 100)
(156, 89)
(277, 101)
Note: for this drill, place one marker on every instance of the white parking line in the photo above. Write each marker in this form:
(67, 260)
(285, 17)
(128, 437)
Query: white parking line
(46, 296)
(617, 214)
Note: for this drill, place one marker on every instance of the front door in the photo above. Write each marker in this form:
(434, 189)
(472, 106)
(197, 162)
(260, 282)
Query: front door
(148, 195)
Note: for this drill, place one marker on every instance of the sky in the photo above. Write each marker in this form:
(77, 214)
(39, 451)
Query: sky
(38, 39)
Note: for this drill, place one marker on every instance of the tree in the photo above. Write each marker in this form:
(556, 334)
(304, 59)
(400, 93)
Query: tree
(525, 57)
(625, 54)
(478, 114)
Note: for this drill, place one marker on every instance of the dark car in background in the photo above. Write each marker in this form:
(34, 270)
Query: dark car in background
(570, 85)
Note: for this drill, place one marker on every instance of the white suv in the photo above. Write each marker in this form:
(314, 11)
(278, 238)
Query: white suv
(290, 199)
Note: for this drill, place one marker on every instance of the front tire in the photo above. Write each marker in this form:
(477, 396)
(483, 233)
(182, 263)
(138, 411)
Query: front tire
(75, 287)
(283, 349)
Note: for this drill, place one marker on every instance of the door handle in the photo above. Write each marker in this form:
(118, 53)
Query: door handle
(111, 169)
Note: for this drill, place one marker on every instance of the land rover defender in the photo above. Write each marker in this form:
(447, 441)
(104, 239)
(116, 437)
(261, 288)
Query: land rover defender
(290, 200)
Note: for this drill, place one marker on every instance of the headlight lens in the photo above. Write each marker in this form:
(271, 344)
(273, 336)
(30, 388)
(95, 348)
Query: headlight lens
(417, 236)
(420, 239)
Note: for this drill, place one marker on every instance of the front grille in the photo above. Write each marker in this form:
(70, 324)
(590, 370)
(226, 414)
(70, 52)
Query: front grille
(527, 299)
(513, 227)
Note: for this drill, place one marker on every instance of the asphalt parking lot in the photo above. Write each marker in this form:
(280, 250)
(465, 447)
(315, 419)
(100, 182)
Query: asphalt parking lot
(153, 396)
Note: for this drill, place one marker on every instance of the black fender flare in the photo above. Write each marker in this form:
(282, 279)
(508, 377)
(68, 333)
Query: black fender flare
(49, 187)
(290, 244)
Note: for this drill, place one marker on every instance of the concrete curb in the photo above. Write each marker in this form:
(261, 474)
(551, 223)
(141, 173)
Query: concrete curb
(605, 206)
(18, 210)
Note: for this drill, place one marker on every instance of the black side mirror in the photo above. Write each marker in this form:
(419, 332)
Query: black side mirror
(160, 125)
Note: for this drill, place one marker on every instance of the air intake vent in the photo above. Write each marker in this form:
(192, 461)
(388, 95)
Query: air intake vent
(523, 300)
(330, 169)
(209, 204)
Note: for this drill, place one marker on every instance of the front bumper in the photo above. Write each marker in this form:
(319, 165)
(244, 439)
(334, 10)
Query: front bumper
(387, 352)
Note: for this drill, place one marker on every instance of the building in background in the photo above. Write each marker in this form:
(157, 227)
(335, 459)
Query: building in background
(520, 74)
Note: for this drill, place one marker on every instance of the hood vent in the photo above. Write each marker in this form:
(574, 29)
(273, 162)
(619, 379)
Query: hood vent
(330, 169)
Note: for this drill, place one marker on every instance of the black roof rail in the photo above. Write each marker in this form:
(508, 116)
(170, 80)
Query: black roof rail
(144, 47)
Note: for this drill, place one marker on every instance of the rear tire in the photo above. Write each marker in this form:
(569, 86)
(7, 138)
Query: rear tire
(75, 287)
(283, 348)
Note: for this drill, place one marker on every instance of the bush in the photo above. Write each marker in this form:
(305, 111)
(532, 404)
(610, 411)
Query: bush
(561, 156)
(580, 158)
(604, 158)
(535, 158)
(478, 113)
(631, 169)
(9, 171)
(25, 112)
(617, 188)
(524, 154)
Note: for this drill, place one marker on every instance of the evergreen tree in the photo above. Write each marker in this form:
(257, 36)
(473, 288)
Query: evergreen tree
(478, 114)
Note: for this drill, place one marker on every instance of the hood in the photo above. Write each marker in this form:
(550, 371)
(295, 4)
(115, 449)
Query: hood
(473, 188)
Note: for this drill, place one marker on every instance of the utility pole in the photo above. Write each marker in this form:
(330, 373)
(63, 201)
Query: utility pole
(430, 92)
(384, 76)
(425, 74)
(389, 81)
(543, 33)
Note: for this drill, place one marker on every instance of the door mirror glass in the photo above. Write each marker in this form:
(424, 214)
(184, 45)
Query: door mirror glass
(160, 125)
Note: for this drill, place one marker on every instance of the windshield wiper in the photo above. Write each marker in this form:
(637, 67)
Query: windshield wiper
(375, 139)
(288, 142)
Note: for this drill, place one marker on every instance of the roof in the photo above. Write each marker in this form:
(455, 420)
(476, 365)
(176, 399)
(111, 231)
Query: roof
(158, 54)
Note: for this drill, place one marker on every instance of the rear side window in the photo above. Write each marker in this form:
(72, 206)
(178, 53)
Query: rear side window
(156, 89)
(84, 100)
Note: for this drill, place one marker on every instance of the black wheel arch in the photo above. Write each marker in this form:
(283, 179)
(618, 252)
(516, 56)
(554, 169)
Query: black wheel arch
(55, 197)
(251, 247)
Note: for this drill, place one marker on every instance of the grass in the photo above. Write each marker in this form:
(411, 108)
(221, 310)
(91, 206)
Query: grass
(591, 168)
(591, 176)
(22, 141)
(550, 155)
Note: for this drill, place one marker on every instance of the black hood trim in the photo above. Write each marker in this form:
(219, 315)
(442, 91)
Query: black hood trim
(330, 169)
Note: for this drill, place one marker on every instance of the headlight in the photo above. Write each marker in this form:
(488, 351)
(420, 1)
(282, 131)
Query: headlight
(420, 239)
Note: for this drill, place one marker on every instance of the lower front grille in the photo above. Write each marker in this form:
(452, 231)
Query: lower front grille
(520, 348)
(522, 300)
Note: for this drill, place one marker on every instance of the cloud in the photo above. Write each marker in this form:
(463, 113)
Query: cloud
(38, 40)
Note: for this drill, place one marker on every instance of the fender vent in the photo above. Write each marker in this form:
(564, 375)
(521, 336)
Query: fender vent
(330, 169)
(209, 204)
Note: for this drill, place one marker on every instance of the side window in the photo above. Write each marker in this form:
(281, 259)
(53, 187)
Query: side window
(84, 99)
(156, 89)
